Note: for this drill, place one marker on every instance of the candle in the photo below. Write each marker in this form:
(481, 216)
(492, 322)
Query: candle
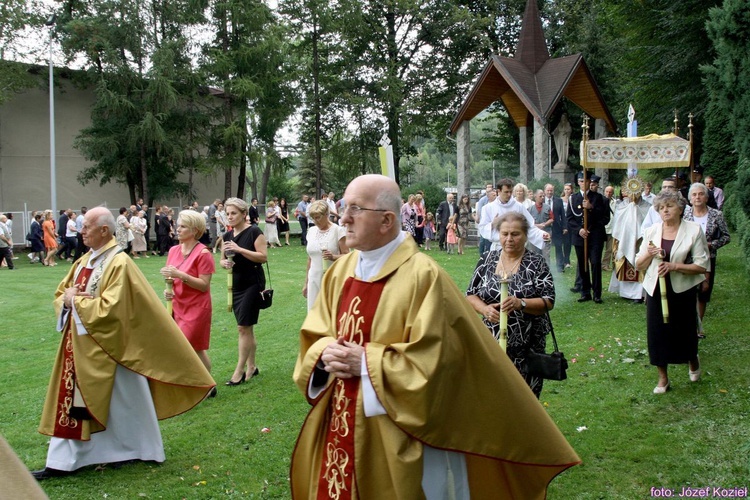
(169, 288)
(230, 256)
(503, 340)
(662, 287)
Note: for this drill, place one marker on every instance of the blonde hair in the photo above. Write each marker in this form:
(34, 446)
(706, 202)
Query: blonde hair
(237, 203)
(194, 221)
(525, 190)
(319, 208)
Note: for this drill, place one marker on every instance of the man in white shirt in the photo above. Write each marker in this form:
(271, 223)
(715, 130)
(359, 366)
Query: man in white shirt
(483, 244)
(506, 203)
(653, 216)
(332, 207)
(647, 195)
(81, 247)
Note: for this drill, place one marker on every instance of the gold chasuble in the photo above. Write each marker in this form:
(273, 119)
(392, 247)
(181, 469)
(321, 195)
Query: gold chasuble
(442, 379)
(126, 325)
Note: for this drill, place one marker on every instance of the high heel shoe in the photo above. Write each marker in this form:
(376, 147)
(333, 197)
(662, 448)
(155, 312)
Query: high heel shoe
(230, 382)
(255, 372)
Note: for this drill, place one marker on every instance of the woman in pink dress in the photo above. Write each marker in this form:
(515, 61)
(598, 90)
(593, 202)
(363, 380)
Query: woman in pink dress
(190, 264)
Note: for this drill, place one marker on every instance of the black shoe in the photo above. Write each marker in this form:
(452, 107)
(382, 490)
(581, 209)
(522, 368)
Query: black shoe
(585, 298)
(575, 290)
(638, 301)
(48, 472)
(255, 372)
(598, 300)
(213, 393)
(230, 382)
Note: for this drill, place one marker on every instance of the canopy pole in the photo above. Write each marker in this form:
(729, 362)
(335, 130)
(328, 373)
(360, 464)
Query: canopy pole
(585, 128)
(690, 138)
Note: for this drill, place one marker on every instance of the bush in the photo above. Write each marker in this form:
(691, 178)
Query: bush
(736, 211)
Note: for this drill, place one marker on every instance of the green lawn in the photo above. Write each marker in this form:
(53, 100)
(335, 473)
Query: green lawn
(629, 439)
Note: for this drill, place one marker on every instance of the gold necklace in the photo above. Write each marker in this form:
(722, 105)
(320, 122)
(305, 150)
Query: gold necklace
(500, 270)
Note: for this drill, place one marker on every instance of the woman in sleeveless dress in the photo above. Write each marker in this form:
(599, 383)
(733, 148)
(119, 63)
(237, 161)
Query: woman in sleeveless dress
(248, 248)
(325, 243)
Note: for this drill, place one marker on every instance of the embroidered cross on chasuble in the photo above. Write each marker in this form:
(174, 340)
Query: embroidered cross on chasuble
(359, 300)
(68, 423)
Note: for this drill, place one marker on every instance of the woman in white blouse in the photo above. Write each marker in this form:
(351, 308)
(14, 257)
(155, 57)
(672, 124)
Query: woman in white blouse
(326, 242)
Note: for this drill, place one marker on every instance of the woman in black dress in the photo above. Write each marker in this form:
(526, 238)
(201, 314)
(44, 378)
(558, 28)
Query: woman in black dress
(531, 293)
(248, 246)
(282, 222)
(675, 249)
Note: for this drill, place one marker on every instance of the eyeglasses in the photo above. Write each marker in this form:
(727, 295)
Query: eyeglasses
(355, 210)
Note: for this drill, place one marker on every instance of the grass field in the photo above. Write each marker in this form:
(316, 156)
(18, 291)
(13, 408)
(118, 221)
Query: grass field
(629, 439)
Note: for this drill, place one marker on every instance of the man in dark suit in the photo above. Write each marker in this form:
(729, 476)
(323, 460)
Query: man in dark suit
(62, 225)
(163, 227)
(445, 211)
(597, 215)
(559, 226)
(253, 213)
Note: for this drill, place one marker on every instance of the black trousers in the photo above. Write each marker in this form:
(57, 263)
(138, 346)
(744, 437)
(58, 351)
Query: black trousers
(6, 254)
(442, 236)
(162, 243)
(303, 225)
(591, 280)
(80, 247)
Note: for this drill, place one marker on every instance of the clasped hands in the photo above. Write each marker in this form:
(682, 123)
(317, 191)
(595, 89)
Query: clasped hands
(492, 314)
(343, 359)
(71, 293)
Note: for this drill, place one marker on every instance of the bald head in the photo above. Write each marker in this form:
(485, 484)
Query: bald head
(98, 227)
(378, 220)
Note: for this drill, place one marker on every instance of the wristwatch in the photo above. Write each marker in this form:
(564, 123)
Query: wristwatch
(523, 305)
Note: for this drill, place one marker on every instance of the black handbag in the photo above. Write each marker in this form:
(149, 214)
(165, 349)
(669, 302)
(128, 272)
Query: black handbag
(266, 296)
(549, 366)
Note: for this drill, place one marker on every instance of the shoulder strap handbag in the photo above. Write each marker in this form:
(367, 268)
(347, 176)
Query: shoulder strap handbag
(266, 296)
(552, 366)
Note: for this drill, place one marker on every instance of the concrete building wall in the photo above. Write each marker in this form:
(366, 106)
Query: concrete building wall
(25, 160)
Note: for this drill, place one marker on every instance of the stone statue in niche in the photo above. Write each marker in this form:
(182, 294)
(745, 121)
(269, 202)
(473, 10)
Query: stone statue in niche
(562, 139)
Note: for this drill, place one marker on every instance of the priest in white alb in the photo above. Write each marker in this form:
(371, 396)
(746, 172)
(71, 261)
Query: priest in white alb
(122, 365)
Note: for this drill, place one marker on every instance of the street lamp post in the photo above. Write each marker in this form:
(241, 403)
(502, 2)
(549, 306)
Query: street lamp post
(52, 165)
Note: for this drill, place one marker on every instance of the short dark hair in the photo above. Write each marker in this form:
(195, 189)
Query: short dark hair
(512, 216)
(505, 182)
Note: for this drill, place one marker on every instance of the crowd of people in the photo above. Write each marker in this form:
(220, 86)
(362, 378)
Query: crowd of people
(661, 249)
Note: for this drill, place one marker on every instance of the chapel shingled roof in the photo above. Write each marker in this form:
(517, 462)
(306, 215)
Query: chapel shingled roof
(530, 84)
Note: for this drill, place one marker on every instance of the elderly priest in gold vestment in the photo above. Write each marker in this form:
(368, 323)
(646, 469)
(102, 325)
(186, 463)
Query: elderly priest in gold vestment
(122, 363)
(411, 397)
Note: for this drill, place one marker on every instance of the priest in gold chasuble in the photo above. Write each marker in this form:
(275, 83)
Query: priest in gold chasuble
(122, 363)
(410, 396)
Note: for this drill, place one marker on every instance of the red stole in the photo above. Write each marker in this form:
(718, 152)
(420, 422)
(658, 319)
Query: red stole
(67, 426)
(359, 300)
